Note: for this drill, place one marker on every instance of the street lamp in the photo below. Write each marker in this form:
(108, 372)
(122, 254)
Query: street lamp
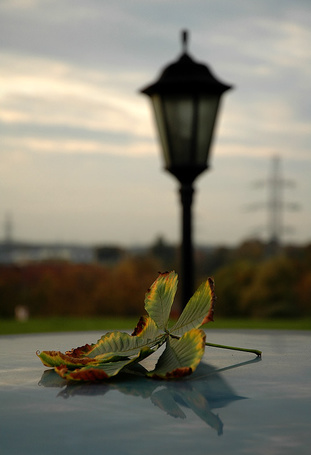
(185, 102)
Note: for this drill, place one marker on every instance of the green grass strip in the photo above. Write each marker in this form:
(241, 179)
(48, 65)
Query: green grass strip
(67, 324)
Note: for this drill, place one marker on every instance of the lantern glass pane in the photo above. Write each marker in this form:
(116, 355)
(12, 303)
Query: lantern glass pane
(185, 124)
(207, 111)
(179, 114)
(161, 124)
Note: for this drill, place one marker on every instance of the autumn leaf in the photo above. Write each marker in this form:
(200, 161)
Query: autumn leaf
(181, 356)
(123, 345)
(198, 311)
(160, 297)
(57, 358)
(93, 373)
(119, 351)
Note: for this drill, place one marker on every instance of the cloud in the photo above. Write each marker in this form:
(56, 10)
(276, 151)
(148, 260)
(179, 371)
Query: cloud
(20, 4)
(46, 102)
(70, 107)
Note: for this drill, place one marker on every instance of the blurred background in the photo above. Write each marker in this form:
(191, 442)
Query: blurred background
(87, 215)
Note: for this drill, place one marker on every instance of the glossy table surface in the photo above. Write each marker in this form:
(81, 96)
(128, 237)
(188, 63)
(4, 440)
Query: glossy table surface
(234, 403)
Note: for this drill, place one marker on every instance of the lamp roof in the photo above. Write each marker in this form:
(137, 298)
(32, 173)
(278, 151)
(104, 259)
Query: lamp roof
(186, 76)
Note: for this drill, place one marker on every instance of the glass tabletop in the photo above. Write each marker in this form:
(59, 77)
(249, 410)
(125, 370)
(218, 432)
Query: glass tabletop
(234, 402)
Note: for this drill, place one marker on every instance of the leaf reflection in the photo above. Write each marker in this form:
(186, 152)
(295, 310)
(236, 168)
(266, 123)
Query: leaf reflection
(205, 391)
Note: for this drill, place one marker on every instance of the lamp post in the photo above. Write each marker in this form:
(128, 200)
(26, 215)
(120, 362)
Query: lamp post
(185, 102)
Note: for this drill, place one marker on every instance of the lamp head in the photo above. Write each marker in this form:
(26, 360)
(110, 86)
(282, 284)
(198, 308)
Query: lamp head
(185, 101)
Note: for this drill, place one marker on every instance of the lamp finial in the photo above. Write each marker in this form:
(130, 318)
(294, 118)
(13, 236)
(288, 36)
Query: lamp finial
(184, 37)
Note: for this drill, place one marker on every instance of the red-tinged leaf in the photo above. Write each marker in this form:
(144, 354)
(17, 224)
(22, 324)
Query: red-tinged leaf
(116, 351)
(198, 311)
(94, 373)
(81, 351)
(140, 326)
(181, 356)
(160, 297)
(146, 328)
(89, 374)
(210, 315)
(57, 358)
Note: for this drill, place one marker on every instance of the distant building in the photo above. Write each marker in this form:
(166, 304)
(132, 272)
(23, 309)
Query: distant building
(17, 253)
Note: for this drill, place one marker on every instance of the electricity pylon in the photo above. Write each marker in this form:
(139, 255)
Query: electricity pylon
(8, 229)
(275, 204)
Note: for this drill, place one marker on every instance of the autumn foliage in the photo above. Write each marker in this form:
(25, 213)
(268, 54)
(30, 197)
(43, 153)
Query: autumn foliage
(249, 283)
(66, 289)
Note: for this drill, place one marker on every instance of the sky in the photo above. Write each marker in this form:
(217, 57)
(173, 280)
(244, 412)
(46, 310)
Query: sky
(79, 154)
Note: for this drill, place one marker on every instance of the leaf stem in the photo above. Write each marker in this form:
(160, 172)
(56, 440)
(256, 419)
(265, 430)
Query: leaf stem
(233, 348)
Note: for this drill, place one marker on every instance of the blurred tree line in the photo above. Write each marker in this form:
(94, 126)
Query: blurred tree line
(252, 282)
(249, 283)
(58, 288)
